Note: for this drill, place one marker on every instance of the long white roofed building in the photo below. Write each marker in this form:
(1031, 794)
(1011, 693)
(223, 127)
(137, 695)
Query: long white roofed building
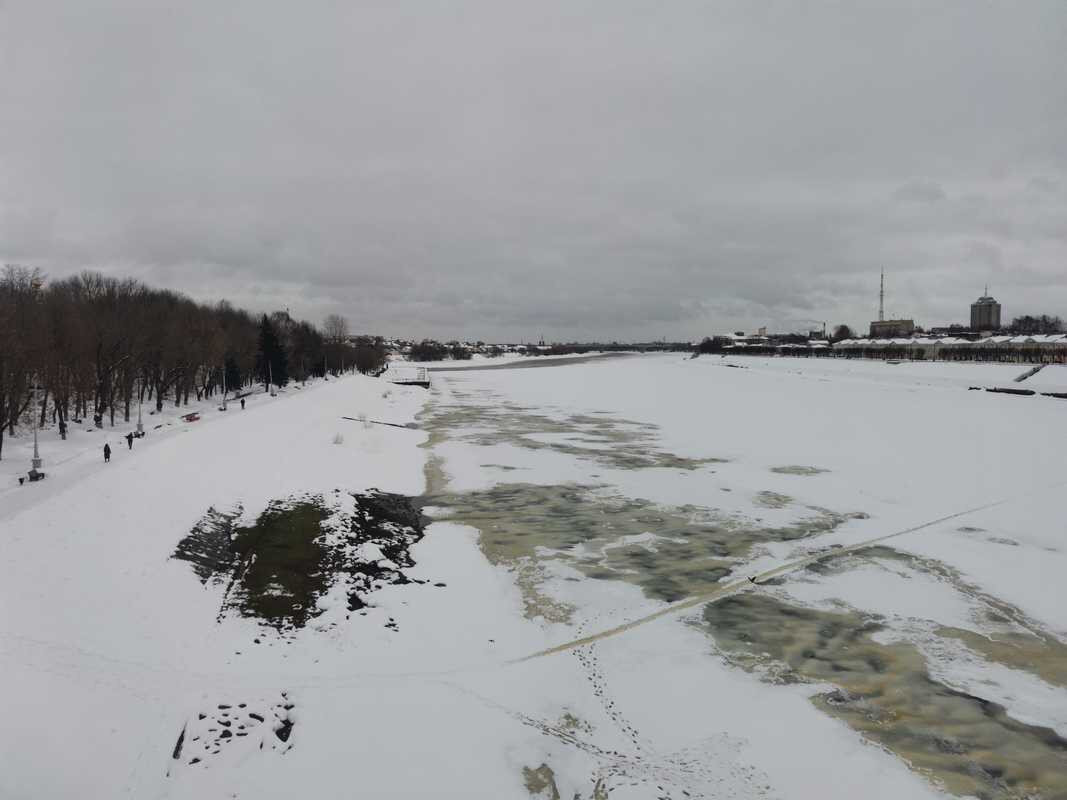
(1033, 349)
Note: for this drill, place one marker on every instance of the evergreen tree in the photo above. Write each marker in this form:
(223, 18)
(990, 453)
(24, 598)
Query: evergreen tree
(234, 382)
(713, 344)
(842, 332)
(271, 361)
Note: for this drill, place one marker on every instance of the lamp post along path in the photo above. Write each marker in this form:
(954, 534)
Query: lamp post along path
(36, 462)
(35, 473)
(140, 395)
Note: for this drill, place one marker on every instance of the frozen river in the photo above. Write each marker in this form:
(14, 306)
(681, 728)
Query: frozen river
(632, 500)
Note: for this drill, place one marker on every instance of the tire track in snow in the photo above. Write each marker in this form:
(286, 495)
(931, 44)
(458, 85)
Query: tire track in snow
(745, 584)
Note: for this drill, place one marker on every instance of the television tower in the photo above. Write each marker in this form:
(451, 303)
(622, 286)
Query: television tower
(881, 299)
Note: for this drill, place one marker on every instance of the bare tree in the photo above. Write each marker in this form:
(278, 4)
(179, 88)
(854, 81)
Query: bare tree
(98, 344)
(1031, 324)
(20, 342)
(336, 347)
(335, 329)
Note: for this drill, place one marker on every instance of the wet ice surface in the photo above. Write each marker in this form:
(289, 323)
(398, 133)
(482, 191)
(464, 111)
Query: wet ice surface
(532, 528)
(886, 691)
(619, 443)
(900, 685)
(671, 553)
(794, 469)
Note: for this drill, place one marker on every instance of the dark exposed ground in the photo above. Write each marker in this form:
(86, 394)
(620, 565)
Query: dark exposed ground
(248, 725)
(278, 567)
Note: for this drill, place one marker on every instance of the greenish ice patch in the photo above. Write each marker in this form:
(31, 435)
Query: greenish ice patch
(613, 442)
(569, 722)
(794, 469)
(1009, 637)
(541, 782)
(965, 743)
(671, 553)
(773, 500)
(1043, 656)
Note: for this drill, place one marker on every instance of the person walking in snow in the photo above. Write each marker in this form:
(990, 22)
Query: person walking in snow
(242, 404)
(107, 452)
(129, 440)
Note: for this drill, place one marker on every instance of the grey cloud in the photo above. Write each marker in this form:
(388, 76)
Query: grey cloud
(591, 169)
(985, 253)
(922, 191)
(1044, 184)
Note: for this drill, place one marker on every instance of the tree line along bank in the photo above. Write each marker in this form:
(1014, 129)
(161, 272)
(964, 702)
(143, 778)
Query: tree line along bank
(96, 345)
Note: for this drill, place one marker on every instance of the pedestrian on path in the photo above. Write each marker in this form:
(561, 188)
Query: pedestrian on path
(107, 452)
(129, 440)
(242, 404)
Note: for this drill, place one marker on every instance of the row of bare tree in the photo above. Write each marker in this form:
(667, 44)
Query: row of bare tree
(97, 345)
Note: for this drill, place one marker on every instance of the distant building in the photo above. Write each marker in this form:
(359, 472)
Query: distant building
(956, 331)
(985, 313)
(883, 328)
(892, 328)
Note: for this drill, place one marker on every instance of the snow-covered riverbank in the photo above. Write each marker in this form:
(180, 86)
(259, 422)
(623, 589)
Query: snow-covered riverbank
(113, 645)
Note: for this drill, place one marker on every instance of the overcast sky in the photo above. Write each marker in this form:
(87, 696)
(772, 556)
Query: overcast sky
(503, 170)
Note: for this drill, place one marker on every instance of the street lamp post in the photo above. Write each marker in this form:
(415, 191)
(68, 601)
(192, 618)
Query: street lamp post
(140, 394)
(36, 461)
